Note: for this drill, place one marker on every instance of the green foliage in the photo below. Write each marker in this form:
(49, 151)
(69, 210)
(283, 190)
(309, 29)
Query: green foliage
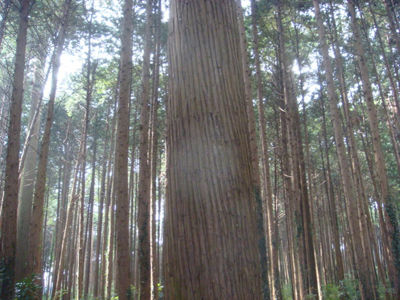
(160, 290)
(349, 288)
(330, 292)
(28, 288)
(287, 292)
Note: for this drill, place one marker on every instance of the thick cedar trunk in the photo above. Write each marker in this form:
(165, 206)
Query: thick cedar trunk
(144, 172)
(211, 233)
(8, 224)
(121, 159)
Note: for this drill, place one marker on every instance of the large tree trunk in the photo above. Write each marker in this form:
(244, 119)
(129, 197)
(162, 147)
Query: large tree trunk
(144, 173)
(28, 172)
(8, 242)
(123, 281)
(211, 234)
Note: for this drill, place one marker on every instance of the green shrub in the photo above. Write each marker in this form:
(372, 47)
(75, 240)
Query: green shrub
(287, 292)
(28, 288)
(330, 292)
(349, 288)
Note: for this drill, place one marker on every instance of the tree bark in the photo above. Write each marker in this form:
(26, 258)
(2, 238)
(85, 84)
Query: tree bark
(28, 173)
(34, 263)
(144, 172)
(8, 241)
(123, 281)
(154, 136)
(211, 234)
(266, 178)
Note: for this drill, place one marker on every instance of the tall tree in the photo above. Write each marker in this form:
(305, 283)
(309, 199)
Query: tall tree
(211, 234)
(121, 159)
(34, 263)
(28, 172)
(144, 172)
(8, 239)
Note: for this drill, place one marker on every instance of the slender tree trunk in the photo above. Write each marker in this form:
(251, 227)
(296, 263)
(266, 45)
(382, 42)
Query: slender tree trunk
(376, 138)
(111, 248)
(392, 85)
(144, 174)
(303, 216)
(96, 266)
(361, 196)
(59, 275)
(62, 212)
(392, 23)
(274, 272)
(6, 6)
(210, 185)
(89, 221)
(108, 207)
(331, 201)
(368, 291)
(83, 230)
(154, 158)
(8, 240)
(34, 263)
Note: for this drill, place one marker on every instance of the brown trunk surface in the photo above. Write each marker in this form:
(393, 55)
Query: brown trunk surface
(211, 235)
